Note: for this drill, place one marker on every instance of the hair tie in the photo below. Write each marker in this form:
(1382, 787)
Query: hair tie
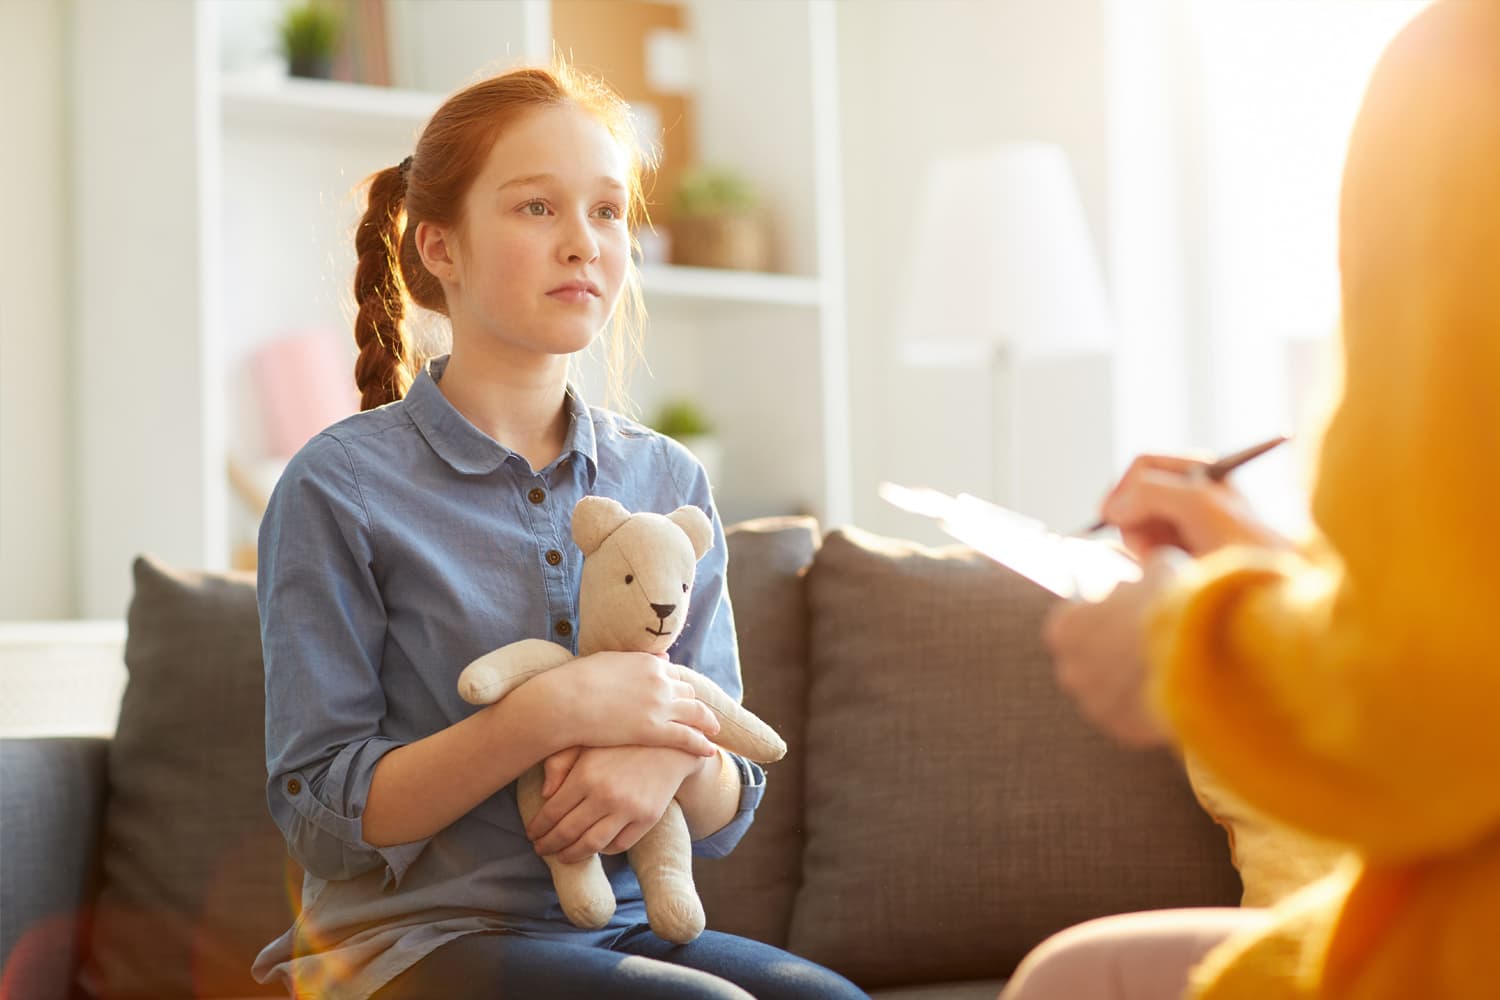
(405, 167)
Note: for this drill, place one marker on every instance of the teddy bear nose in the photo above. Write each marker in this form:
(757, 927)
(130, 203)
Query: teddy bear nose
(663, 610)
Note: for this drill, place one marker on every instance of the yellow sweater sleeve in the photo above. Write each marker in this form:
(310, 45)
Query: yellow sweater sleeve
(1354, 689)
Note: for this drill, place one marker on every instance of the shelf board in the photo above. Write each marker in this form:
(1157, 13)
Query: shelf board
(754, 287)
(324, 105)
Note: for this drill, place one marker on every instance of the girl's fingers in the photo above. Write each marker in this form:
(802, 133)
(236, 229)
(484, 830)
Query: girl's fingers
(553, 813)
(702, 718)
(556, 768)
(568, 830)
(627, 838)
(594, 838)
(691, 740)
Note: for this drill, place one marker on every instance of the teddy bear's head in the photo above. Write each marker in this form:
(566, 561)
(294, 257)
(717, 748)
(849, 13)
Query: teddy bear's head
(637, 574)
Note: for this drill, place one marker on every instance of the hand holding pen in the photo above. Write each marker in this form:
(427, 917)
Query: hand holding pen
(1169, 500)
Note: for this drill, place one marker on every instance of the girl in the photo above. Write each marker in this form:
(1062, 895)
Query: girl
(408, 540)
(1348, 687)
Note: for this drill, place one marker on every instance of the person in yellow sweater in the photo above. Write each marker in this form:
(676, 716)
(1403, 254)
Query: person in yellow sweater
(1348, 686)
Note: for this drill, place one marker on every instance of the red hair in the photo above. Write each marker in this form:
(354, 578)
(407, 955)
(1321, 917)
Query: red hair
(430, 187)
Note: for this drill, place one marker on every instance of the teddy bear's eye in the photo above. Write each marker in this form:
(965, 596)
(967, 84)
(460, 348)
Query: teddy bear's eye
(684, 588)
(629, 578)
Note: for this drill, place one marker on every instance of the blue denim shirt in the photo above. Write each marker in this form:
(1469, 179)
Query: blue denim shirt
(399, 545)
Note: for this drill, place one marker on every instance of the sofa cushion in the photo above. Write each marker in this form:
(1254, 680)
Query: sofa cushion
(195, 876)
(958, 810)
(751, 891)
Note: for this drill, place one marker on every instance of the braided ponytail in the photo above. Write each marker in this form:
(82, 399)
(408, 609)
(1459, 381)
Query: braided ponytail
(385, 369)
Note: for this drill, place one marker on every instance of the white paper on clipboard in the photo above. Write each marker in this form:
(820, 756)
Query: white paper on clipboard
(1081, 568)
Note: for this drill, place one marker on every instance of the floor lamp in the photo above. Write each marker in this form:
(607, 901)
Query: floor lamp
(1003, 274)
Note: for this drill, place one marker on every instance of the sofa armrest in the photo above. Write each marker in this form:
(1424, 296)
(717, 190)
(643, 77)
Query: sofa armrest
(52, 793)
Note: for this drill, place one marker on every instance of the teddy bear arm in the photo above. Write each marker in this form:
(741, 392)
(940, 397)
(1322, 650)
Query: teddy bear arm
(740, 730)
(499, 672)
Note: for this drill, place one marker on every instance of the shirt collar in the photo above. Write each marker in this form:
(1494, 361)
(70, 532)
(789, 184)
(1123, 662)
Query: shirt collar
(469, 450)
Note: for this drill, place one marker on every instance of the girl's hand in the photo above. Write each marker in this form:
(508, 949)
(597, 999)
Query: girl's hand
(608, 799)
(633, 699)
(556, 767)
(1165, 501)
(1099, 654)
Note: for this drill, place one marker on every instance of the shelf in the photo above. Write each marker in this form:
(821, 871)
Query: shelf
(323, 105)
(753, 287)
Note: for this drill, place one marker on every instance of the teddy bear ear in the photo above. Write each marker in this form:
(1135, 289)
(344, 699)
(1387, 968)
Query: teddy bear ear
(594, 520)
(696, 526)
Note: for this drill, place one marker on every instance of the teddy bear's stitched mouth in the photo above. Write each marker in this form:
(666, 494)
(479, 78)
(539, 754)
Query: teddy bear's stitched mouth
(665, 631)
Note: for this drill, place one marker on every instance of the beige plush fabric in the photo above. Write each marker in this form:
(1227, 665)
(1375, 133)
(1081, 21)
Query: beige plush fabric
(195, 876)
(950, 786)
(751, 891)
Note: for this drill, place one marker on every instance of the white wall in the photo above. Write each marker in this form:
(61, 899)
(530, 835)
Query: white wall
(36, 476)
(149, 434)
(919, 80)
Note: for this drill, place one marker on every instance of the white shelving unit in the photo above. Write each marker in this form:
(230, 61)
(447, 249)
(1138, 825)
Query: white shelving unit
(264, 195)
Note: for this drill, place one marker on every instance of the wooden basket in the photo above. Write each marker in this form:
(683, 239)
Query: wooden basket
(738, 242)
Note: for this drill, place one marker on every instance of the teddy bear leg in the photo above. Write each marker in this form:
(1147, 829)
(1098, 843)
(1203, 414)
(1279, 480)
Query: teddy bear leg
(663, 861)
(587, 898)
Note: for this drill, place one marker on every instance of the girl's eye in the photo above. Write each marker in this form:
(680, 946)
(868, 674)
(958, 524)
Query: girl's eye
(629, 578)
(609, 213)
(535, 208)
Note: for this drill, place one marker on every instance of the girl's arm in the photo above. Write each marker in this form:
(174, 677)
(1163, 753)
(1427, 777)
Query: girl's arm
(608, 699)
(420, 788)
(710, 795)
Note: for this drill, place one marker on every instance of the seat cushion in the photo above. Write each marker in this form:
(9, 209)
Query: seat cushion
(750, 892)
(958, 809)
(195, 876)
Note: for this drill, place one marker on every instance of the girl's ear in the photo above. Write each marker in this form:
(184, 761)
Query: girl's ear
(439, 251)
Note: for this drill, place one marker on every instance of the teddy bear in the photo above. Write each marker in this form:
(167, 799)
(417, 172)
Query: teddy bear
(633, 596)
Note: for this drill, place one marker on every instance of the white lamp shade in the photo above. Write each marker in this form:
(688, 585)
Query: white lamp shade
(1002, 259)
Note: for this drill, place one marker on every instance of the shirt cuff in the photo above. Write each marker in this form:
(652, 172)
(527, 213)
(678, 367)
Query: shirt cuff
(752, 789)
(329, 840)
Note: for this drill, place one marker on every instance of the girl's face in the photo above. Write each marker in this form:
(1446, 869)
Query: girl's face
(545, 246)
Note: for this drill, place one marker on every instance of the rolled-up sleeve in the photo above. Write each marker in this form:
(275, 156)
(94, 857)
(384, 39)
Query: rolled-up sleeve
(323, 627)
(708, 644)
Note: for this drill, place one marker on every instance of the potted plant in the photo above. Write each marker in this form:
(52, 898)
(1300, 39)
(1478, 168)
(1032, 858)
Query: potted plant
(685, 421)
(716, 222)
(309, 35)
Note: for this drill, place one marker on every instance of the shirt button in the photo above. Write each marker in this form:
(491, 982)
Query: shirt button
(537, 495)
(564, 628)
(293, 786)
(553, 557)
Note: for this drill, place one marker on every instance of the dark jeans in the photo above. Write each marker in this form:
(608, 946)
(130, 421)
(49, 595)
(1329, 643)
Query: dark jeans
(637, 965)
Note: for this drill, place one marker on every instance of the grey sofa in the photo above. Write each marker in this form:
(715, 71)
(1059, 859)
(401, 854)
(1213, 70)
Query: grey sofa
(940, 811)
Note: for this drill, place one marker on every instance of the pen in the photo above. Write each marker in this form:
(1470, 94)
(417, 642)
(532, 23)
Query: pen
(1216, 470)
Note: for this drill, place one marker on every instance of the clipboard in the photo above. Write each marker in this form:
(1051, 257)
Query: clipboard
(1070, 567)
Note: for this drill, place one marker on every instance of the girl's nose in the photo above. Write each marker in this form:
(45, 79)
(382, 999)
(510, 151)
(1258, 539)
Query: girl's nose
(579, 245)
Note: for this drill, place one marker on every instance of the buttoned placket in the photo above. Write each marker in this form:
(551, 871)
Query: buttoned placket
(550, 526)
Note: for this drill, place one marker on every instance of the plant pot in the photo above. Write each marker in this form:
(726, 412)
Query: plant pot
(313, 67)
(735, 241)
